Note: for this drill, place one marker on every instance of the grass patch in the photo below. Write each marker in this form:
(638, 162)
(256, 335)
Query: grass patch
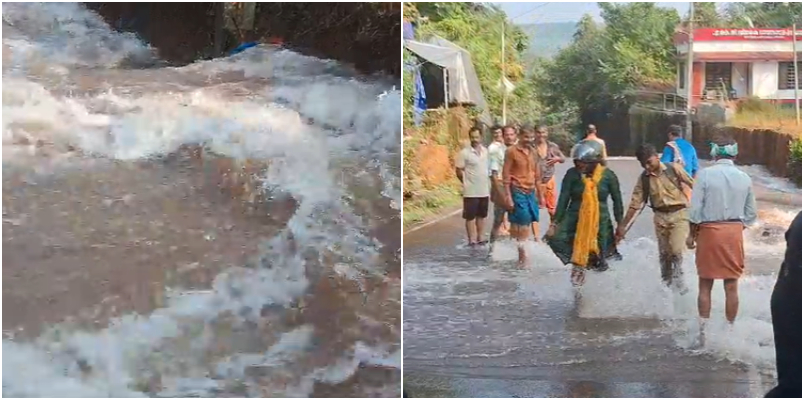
(760, 114)
(429, 204)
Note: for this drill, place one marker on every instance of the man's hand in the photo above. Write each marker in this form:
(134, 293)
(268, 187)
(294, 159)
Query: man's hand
(550, 231)
(619, 234)
(509, 202)
(690, 242)
(553, 161)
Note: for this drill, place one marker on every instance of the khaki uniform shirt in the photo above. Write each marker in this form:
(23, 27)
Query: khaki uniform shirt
(664, 190)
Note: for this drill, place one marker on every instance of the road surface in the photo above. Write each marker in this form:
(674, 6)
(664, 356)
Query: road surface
(475, 327)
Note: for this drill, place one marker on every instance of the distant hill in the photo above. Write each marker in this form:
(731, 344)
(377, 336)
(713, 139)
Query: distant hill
(547, 38)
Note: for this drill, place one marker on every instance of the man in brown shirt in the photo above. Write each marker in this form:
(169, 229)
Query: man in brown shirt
(662, 187)
(520, 175)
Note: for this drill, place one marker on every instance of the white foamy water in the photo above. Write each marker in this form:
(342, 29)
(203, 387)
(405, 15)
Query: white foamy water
(329, 138)
(451, 296)
(633, 289)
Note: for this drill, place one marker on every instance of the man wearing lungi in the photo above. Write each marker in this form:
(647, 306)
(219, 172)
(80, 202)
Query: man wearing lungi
(520, 177)
(723, 204)
(662, 186)
(548, 154)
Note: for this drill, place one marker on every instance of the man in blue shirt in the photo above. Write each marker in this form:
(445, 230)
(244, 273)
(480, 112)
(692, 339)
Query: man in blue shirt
(680, 151)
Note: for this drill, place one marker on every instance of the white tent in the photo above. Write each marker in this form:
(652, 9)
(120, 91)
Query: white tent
(462, 85)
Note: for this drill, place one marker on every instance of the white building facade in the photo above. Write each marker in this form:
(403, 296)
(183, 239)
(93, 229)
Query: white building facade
(739, 63)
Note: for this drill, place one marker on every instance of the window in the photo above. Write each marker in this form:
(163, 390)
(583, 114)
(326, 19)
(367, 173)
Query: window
(787, 75)
(718, 76)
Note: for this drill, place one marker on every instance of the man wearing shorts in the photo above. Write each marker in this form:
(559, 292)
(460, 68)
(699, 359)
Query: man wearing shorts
(520, 175)
(471, 167)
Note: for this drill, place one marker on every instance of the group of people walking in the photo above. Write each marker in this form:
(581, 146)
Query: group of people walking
(702, 209)
(705, 210)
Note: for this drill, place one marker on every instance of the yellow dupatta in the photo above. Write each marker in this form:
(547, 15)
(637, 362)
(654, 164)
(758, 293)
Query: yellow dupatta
(588, 220)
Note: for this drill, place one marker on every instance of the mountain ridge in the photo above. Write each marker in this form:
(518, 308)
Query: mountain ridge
(547, 38)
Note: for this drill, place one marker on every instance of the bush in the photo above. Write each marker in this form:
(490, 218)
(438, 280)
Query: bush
(754, 104)
(794, 161)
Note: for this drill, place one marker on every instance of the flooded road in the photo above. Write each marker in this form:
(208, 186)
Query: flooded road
(227, 228)
(483, 328)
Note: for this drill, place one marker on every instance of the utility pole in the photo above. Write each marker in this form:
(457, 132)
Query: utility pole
(690, 58)
(502, 79)
(795, 75)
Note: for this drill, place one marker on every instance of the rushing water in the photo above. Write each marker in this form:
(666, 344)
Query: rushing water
(482, 327)
(331, 142)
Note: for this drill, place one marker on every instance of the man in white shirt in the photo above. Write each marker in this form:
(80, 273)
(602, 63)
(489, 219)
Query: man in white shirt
(471, 167)
(723, 204)
(507, 138)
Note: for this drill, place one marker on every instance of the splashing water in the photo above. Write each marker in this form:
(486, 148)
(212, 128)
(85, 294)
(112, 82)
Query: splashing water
(640, 293)
(330, 140)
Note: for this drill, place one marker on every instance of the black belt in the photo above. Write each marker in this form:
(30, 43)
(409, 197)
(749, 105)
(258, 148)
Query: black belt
(724, 221)
(670, 209)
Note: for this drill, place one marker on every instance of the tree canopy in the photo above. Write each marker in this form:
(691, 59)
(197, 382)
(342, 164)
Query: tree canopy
(478, 27)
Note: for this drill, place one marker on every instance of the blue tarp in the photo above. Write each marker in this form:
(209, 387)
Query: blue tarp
(407, 30)
(243, 47)
(419, 98)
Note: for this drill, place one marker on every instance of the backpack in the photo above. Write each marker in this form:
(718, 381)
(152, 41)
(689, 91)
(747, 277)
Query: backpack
(677, 157)
(671, 172)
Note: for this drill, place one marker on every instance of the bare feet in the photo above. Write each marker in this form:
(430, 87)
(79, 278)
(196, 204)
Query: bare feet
(578, 276)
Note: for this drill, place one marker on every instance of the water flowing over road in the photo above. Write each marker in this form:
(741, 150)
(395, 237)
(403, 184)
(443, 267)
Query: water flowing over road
(230, 227)
(475, 327)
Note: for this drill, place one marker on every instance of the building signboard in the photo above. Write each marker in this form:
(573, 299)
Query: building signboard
(717, 34)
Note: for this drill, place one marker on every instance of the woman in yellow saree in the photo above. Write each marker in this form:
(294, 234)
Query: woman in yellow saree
(582, 233)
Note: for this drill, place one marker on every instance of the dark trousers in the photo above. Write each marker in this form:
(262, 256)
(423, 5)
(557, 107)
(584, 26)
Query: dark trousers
(786, 317)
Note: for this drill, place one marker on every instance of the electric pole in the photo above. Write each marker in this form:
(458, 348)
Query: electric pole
(689, 81)
(502, 79)
(795, 75)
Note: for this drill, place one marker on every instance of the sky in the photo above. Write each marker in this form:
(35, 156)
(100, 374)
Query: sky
(563, 12)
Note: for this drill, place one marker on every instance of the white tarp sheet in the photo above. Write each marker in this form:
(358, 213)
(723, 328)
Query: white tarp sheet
(462, 82)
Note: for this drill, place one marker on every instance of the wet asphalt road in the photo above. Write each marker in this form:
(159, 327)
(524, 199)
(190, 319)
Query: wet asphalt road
(480, 327)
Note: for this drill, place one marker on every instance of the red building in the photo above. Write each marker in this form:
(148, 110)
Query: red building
(739, 63)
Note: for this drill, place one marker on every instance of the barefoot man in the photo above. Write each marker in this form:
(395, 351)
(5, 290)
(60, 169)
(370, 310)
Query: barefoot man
(471, 167)
(520, 175)
(662, 186)
(500, 227)
(722, 206)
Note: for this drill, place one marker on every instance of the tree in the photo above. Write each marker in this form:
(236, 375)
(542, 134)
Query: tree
(477, 28)
(707, 16)
(590, 80)
(764, 15)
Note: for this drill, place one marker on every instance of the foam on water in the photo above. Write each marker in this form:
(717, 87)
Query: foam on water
(309, 117)
(630, 290)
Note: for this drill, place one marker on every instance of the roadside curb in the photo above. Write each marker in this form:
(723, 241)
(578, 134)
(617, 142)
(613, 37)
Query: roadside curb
(432, 221)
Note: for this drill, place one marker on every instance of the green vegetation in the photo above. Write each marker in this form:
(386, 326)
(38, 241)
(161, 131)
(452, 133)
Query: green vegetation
(478, 29)
(756, 113)
(430, 204)
(632, 48)
(589, 79)
(746, 15)
(794, 161)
